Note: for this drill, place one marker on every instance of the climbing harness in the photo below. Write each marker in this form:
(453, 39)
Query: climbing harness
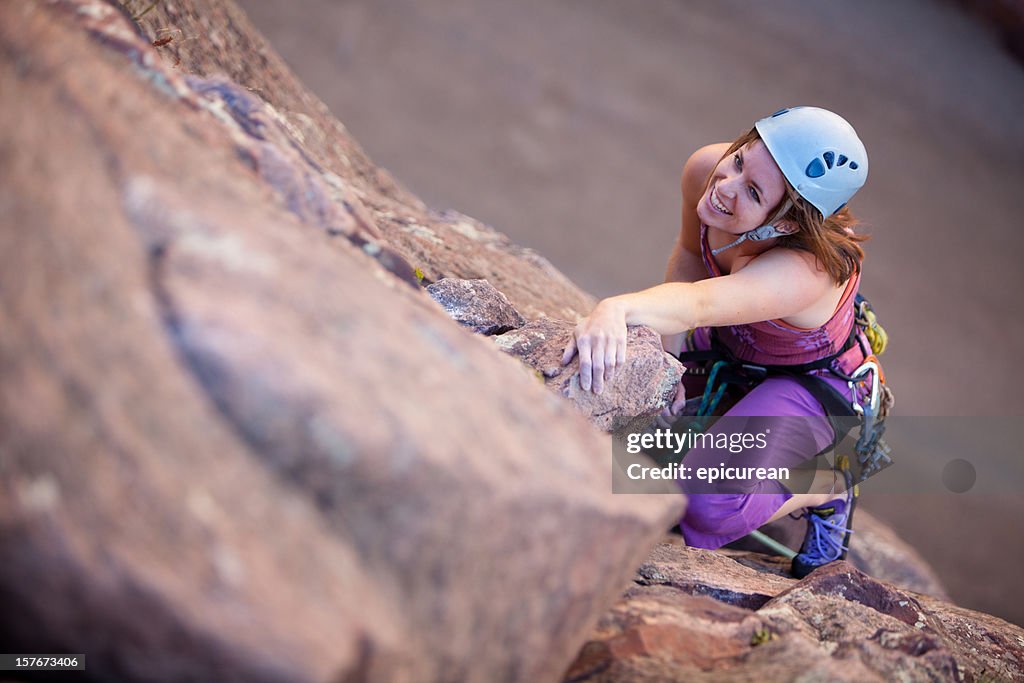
(873, 399)
(827, 539)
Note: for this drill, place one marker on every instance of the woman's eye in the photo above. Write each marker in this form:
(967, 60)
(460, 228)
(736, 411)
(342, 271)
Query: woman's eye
(738, 160)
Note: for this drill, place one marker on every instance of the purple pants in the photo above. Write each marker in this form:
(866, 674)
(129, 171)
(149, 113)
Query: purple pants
(715, 519)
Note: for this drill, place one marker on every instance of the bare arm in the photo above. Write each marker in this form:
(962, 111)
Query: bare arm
(779, 283)
(685, 263)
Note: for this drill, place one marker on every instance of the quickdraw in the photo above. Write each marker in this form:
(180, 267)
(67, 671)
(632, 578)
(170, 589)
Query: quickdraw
(873, 453)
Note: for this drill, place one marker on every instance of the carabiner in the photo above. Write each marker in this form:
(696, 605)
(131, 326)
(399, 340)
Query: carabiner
(864, 368)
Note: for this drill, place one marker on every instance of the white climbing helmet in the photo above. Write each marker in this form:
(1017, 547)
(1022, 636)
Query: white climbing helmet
(818, 152)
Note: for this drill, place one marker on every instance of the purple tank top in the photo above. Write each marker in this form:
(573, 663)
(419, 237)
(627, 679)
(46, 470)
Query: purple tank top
(775, 342)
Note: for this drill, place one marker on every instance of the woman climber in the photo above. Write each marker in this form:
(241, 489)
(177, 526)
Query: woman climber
(765, 272)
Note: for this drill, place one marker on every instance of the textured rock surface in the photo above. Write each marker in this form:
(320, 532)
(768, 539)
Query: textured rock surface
(641, 387)
(236, 443)
(741, 579)
(213, 39)
(699, 615)
(476, 304)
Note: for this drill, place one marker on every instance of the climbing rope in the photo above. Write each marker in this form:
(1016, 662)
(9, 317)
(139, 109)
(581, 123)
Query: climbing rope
(712, 396)
(779, 548)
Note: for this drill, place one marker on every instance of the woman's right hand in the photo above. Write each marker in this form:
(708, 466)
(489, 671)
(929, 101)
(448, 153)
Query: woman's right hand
(600, 339)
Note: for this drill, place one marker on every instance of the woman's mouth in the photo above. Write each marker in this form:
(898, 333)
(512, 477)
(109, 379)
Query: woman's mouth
(716, 203)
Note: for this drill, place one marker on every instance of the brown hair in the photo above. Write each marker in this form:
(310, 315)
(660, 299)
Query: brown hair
(831, 239)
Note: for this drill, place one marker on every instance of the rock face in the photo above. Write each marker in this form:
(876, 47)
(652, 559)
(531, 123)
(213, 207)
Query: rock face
(641, 387)
(237, 440)
(212, 39)
(699, 615)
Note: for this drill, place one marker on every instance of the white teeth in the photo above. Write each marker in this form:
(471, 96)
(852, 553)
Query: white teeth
(715, 202)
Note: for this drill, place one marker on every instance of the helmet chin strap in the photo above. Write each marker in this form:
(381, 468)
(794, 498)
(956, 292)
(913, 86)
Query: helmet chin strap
(765, 232)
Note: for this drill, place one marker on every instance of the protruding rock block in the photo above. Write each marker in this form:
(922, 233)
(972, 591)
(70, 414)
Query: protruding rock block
(642, 386)
(476, 304)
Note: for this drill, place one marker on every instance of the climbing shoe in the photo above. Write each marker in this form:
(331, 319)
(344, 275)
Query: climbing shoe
(828, 531)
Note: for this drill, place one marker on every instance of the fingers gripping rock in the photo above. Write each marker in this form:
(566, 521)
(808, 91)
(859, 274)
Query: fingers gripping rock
(643, 384)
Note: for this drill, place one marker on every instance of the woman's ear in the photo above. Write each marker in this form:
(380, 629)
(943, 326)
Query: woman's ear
(786, 227)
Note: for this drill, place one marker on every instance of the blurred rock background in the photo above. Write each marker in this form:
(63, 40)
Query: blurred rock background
(565, 125)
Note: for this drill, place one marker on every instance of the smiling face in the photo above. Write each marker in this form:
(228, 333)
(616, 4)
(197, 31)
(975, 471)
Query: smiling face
(744, 190)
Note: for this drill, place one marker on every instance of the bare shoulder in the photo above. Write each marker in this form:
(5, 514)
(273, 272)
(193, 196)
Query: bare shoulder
(796, 267)
(698, 167)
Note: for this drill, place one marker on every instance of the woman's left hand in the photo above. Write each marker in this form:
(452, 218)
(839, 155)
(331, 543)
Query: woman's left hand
(600, 339)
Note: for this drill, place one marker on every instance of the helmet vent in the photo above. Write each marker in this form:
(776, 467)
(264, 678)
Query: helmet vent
(778, 113)
(815, 169)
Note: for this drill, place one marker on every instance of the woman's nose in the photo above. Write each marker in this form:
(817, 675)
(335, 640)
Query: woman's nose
(727, 186)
